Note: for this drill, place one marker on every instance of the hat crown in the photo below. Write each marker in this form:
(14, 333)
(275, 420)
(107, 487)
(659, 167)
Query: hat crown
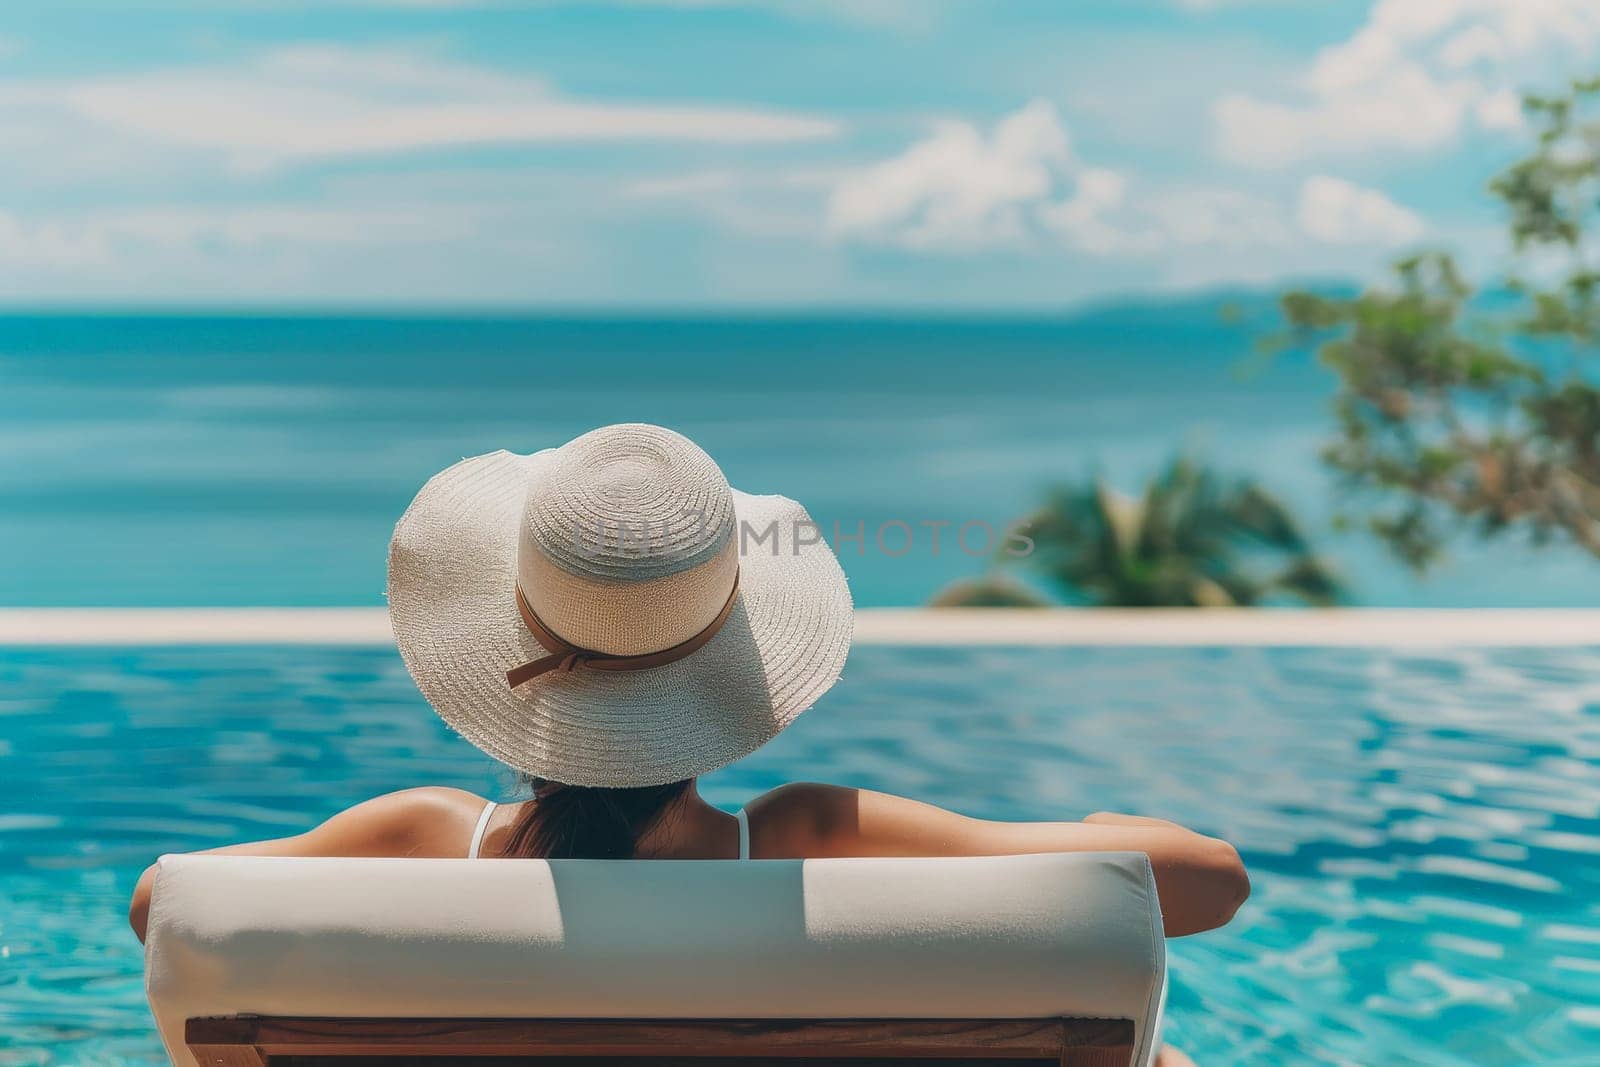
(496, 524)
(627, 542)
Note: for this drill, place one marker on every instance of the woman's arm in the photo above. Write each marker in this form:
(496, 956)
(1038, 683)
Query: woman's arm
(431, 821)
(1200, 880)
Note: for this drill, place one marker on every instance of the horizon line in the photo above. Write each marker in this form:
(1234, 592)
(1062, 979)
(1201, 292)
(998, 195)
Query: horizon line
(663, 309)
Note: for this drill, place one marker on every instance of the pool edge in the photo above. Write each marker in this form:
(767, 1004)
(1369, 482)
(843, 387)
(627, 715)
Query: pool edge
(1356, 627)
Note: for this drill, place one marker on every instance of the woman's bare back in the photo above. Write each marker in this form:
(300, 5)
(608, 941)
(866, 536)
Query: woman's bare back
(1200, 880)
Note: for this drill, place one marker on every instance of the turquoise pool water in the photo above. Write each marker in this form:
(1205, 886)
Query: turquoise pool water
(1423, 831)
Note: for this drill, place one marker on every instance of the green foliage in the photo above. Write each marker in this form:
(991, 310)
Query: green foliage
(989, 591)
(1451, 418)
(1191, 539)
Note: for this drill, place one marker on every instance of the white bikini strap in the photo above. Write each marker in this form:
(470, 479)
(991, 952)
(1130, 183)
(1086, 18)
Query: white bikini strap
(744, 833)
(477, 834)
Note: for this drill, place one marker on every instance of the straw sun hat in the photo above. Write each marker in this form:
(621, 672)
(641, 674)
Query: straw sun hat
(612, 612)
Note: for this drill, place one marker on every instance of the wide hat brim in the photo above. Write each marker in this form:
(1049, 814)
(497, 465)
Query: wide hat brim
(452, 581)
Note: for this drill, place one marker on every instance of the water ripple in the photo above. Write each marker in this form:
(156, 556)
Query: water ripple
(1423, 831)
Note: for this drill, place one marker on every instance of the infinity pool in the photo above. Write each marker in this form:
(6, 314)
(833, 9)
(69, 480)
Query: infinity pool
(1423, 831)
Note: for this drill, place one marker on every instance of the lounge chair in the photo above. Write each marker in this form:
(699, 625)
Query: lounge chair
(256, 960)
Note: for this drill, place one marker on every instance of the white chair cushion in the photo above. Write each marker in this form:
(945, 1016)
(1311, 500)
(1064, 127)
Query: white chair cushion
(994, 937)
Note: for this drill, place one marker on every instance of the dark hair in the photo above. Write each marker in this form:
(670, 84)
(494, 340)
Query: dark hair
(589, 822)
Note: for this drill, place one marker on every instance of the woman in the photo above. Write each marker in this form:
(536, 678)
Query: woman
(613, 620)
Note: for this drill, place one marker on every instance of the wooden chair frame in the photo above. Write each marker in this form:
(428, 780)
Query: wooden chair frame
(263, 1041)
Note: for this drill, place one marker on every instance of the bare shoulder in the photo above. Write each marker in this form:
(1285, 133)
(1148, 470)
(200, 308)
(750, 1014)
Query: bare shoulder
(811, 819)
(425, 800)
(423, 821)
(432, 821)
(798, 820)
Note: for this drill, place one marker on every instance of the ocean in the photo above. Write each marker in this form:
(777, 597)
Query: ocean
(201, 460)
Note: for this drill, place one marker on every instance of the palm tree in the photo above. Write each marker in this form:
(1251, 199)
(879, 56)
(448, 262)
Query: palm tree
(1191, 539)
(992, 590)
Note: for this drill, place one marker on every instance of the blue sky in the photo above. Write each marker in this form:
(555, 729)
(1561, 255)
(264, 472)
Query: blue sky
(751, 155)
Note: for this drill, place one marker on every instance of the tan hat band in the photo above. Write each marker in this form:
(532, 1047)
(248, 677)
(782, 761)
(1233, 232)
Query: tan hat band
(563, 655)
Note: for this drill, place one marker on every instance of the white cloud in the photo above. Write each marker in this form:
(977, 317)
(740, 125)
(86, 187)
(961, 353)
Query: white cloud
(110, 238)
(326, 101)
(1021, 186)
(1335, 211)
(962, 189)
(526, 236)
(885, 14)
(384, 238)
(899, 15)
(1085, 218)
(1414, 77)
(1500, 110)
(48, 244)
(1408, 110)
(696, 184)
(1224, 219)
(752, 201)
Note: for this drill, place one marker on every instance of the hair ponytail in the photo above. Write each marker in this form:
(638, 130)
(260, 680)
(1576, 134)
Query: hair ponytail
(589, 822)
